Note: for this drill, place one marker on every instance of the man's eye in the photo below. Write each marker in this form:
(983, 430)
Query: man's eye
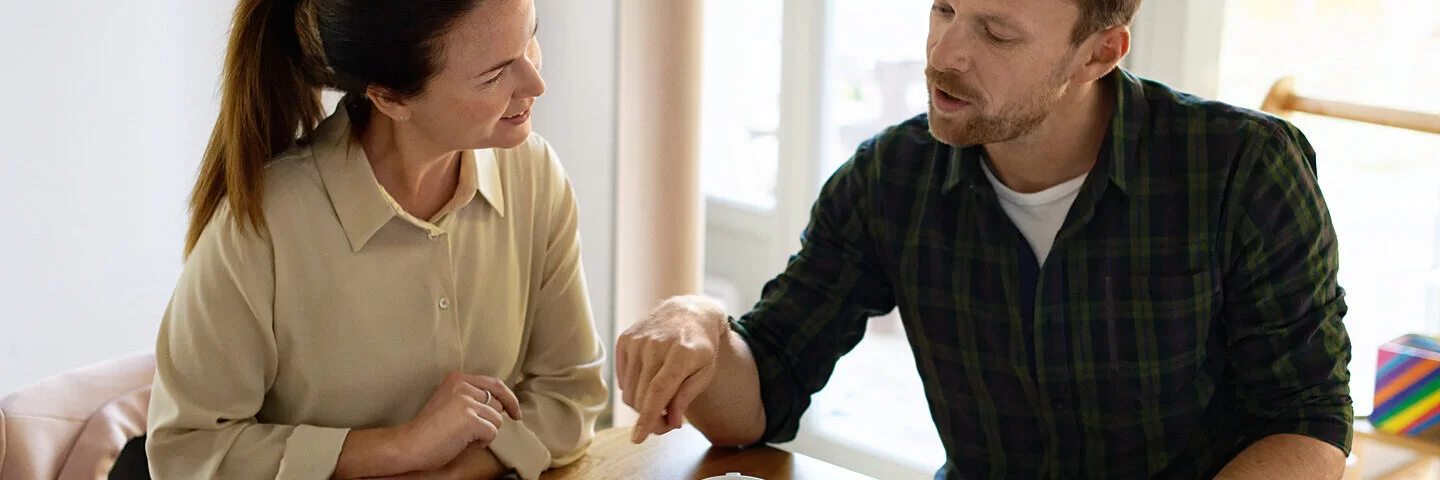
(997, 38)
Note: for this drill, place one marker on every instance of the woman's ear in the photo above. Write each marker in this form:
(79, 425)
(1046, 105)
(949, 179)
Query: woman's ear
(388, 103)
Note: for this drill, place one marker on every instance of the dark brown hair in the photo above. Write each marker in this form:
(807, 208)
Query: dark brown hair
(281, 54)
(1098, 15)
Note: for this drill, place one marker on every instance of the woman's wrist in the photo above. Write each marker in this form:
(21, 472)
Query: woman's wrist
(376, 452)
(474, 463)
(395, 449)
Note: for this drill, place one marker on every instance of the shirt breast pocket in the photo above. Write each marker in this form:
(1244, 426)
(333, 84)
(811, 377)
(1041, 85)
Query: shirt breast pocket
(1156, 331)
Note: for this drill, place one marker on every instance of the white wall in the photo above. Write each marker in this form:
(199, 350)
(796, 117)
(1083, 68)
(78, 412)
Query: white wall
(108, 107)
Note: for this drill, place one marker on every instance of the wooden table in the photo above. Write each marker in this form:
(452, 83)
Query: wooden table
(1426, 450)
(685, 455)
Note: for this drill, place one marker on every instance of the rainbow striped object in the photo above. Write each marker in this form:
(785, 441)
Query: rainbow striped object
(1407, 386)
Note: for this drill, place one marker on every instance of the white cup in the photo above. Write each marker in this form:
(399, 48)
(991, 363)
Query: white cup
(734, 476)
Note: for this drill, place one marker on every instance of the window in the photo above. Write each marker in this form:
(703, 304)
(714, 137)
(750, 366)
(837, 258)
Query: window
(1382, 184)
(870, 75)
(739, 150)
(875, 62)
(876, 72)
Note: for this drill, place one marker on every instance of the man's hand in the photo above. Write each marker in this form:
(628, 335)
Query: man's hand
(666, 360)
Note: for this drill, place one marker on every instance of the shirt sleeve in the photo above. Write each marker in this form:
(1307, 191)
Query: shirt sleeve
(215, 359)
(1283, 305)
(815, 311)
(562, 391)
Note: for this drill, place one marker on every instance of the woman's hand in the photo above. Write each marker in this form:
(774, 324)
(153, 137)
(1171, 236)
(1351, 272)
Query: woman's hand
(475, 463)
(463, 412)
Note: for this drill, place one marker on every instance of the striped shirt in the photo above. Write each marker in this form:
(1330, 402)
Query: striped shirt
(1188, 307)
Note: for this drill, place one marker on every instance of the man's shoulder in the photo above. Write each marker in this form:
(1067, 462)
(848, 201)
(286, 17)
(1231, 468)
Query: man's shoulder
(900, 149)
(1186, 118)
(894, 166)
(902, 140)
(1198, 141)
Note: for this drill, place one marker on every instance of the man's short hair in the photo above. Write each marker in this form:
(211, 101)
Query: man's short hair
(1098, 15)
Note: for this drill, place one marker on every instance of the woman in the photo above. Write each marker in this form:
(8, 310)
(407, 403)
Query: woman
(397, 291)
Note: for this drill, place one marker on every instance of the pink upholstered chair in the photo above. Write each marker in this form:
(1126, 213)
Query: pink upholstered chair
(73, 425)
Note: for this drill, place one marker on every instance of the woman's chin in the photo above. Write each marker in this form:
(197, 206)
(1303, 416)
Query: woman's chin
(506, 137)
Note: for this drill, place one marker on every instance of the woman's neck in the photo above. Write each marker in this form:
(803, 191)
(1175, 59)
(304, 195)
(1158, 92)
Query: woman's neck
(421, 180)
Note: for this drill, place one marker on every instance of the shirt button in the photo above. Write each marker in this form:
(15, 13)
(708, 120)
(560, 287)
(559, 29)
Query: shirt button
(434, 235)
(444, 303)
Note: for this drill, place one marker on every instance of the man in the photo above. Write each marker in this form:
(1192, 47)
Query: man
(1100, 277)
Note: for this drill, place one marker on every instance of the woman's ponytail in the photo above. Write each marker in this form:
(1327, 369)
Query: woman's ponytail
(269, 97)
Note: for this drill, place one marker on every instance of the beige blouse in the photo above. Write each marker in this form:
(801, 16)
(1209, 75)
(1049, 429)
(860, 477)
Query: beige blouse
(351, 311)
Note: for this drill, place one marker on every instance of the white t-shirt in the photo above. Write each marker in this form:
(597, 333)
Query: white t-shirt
(1038, 215)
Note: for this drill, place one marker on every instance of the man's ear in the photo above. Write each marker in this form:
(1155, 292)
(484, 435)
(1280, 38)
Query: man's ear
(1103, 51)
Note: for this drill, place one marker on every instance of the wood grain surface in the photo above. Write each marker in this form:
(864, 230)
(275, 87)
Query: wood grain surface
(685, 455)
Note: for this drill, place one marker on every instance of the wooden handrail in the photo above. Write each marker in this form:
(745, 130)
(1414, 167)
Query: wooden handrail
(1282, 100)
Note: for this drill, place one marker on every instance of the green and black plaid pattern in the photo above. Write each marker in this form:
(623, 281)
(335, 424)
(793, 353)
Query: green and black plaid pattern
(1189, 305)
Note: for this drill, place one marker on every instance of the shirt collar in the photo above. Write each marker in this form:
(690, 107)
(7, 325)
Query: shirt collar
(361, 203)
(1117, 153)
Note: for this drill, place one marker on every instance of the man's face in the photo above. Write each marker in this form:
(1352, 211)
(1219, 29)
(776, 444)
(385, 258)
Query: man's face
(996, 68)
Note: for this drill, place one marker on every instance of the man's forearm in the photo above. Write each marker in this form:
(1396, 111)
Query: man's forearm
(1286, 456)
(729, 412)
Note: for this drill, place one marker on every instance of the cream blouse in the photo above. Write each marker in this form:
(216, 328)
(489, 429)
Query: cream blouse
(350, 312)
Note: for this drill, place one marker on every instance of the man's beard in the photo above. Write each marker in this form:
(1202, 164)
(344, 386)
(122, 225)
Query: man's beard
(1007, 123)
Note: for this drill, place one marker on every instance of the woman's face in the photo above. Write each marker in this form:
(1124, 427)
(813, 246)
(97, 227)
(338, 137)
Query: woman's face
(489, 77)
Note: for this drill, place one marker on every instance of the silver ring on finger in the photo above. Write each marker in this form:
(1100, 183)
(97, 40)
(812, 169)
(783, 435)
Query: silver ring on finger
(488, 397)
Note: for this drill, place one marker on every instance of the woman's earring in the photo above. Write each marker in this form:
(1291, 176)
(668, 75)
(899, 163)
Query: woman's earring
(404, 117)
